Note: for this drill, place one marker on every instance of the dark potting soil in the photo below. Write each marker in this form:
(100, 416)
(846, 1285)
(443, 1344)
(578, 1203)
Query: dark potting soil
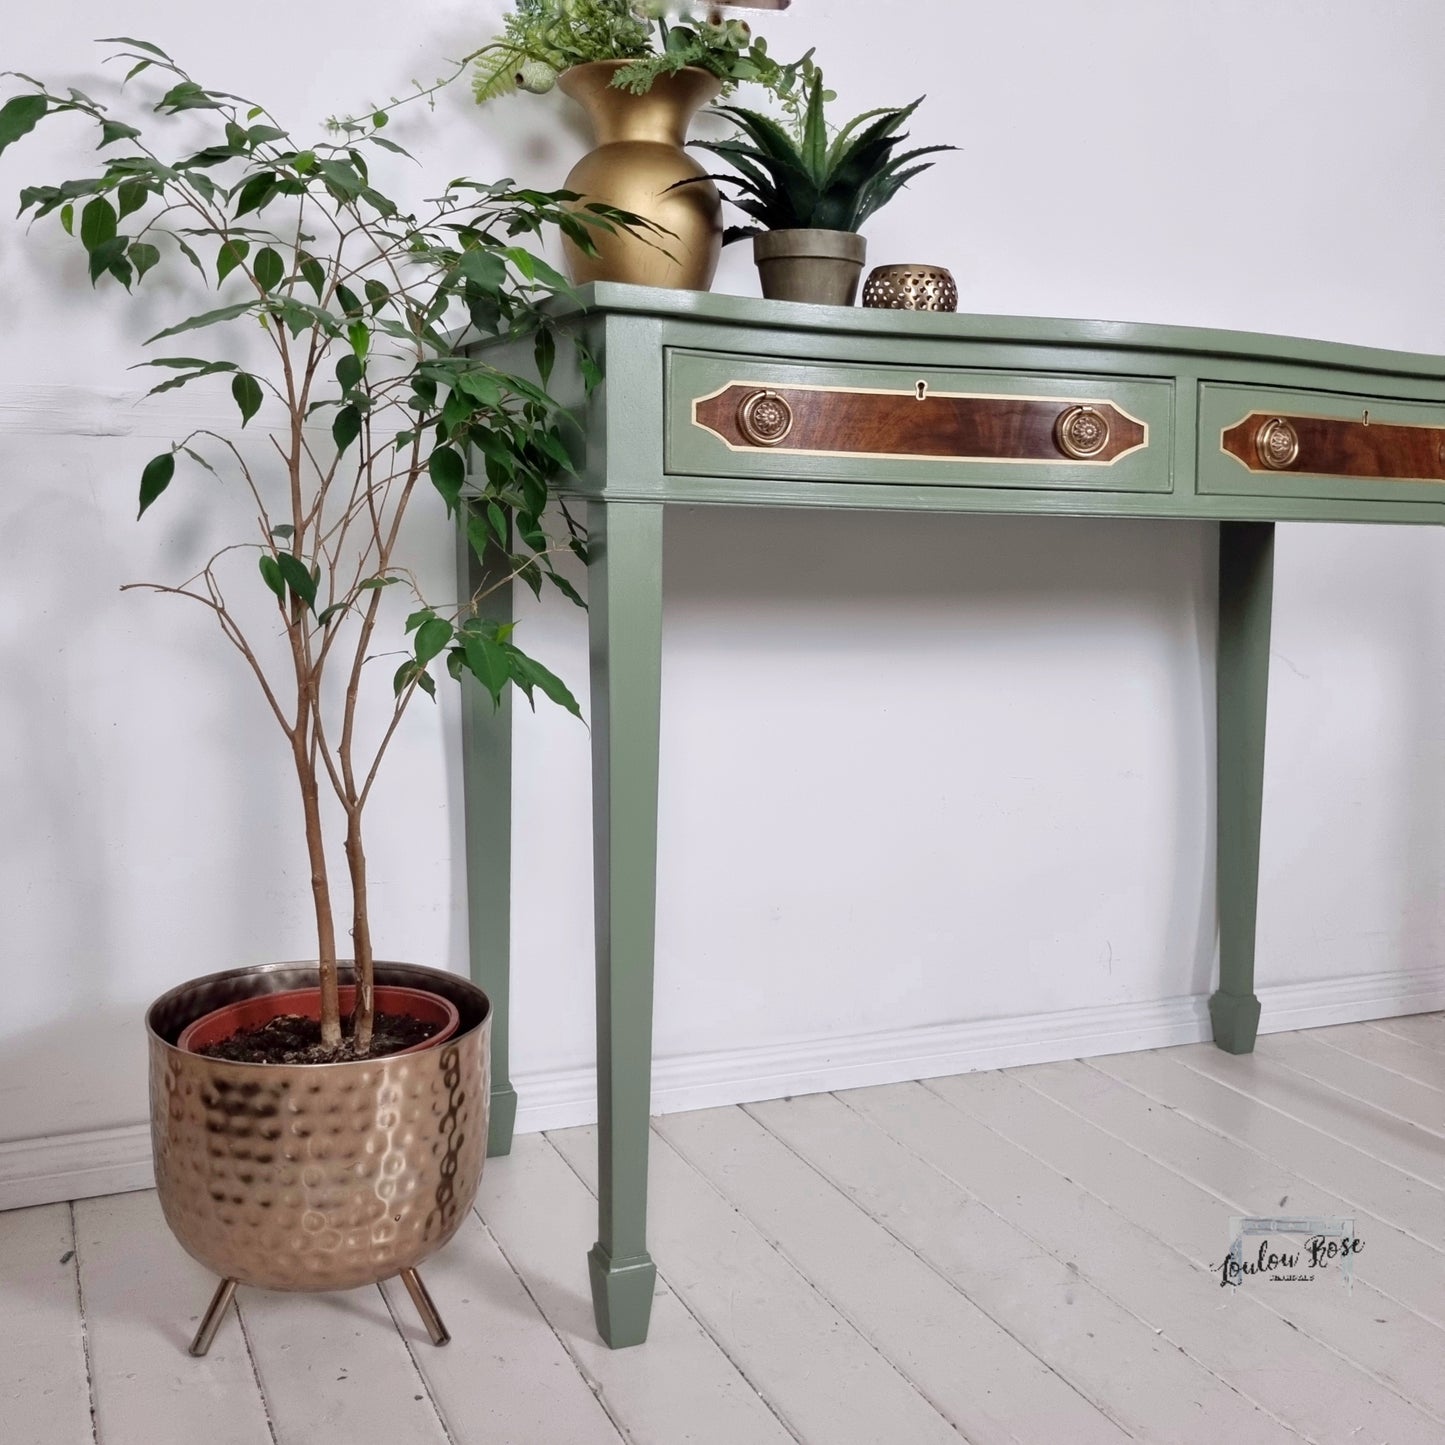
(291, 1039)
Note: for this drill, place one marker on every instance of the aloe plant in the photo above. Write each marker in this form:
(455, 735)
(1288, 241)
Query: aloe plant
(806, 182)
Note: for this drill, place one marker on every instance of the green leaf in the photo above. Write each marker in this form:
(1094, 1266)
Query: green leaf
(109, 256)
(545, 351)
(187, 95)
(417, 618)
(389, 145)
(142, 256)
(431, 637)
(247, 391)
(591, 371)
(346, 428)
(155, 479)
(349, 372)
(271, 575)
(268, 268)
(256, 192)
(112, 131)
(67, 218)
(528, 671)
(283, 531)
(359, 335)
(136, 44)
(372, 583)
(190, 255)
(132, 196)
(20, 116)
(377, 294)
(484, 268)
(488, 663)
(349, 301)
(314, 274)
(97, 223)
(497, 520)
(231, 254)
(298, 579)
(327, 613)
(448, 472)
(209, 318)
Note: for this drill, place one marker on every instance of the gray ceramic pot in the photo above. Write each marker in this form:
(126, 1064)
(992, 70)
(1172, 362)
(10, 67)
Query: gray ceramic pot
(820, 267)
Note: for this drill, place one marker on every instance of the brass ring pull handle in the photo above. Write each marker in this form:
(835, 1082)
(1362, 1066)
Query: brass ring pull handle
(1081, 432)
(765, 418)
(1277, 444)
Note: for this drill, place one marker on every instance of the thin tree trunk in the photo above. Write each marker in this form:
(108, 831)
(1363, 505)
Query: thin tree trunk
(364, 1015)
(320, 890)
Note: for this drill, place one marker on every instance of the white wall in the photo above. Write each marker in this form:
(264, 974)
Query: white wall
(916, 772)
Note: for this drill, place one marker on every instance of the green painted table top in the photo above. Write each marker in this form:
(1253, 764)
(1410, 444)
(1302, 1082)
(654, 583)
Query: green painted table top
(619, 300)
(1213, 425)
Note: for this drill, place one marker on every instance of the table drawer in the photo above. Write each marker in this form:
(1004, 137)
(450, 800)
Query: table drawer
(1330, 445)
(746, 416)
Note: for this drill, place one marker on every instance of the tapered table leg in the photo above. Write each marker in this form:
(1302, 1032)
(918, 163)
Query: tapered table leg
(625, 611)
(1246, 587)
(487, 811)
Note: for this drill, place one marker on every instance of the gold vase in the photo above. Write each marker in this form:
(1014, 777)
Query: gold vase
(638, 156)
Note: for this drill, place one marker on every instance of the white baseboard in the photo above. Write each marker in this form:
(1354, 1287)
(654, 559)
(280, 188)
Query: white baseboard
(112, 1161)
(75, 1166)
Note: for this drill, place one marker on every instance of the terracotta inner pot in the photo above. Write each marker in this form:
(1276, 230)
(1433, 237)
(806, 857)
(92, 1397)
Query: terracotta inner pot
(250, 1013)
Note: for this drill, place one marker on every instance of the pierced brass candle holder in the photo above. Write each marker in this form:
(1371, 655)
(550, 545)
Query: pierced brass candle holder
(911, 288)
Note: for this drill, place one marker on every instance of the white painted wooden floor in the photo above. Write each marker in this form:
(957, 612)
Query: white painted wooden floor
(1028, 1255)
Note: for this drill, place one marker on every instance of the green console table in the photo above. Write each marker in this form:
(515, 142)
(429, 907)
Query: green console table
(733, 402)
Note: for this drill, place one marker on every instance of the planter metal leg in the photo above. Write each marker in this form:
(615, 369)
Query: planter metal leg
(425, 1307)
(215, 1313)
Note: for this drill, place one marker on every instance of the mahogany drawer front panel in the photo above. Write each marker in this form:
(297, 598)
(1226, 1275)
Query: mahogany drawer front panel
(1328, 445)
(750, 417)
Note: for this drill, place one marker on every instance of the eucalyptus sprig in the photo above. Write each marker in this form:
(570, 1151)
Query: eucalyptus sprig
(365, 401)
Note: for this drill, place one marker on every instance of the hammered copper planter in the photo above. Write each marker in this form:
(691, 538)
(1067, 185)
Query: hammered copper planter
(317, 1176)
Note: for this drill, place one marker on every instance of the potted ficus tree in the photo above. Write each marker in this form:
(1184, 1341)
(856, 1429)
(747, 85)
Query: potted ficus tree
(810, 190)
(640, 69)
(344, 1143)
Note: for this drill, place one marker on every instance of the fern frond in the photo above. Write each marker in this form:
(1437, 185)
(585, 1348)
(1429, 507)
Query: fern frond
(495, 74)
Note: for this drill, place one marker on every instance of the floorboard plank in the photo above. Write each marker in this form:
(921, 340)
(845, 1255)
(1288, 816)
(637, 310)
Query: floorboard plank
(1379, 1135)
(44, 1389)
(921, 1322)
(1404, 1099)
(506, 1375)
(1389, 1051)
(1157, 1392)
(1398, 1198)
(1390, 1347)
(679, 1386)
(335, 1368)
(143, 1300)
(1245, 1181)
(1427, 1030)
(821, 1375)
(1252, 1350)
